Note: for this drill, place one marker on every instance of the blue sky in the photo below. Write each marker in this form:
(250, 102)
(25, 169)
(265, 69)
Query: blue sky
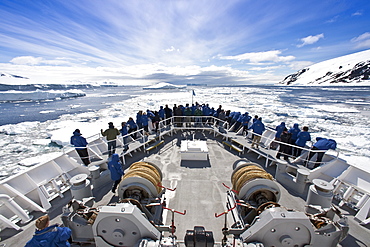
(220, 41)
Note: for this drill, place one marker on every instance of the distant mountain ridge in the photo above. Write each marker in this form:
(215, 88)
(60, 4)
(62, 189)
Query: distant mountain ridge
(13, 76)
(353, 69)
(164, 85)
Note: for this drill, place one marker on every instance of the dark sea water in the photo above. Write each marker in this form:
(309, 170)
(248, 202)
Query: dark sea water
(95, 99)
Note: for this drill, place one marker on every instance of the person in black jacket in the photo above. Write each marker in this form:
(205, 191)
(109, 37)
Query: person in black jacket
(168, 113)
(155, 121)
(284, 149)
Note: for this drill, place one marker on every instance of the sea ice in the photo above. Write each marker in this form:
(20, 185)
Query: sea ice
(46, 112)
(340, 123)
(334, 108)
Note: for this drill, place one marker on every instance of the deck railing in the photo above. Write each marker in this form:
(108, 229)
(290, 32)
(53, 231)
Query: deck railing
(201, 123)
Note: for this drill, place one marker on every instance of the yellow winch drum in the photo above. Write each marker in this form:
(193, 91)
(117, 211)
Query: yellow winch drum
(249, 179)
(143, 176)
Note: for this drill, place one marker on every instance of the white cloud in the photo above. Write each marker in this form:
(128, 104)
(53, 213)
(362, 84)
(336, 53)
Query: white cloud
(171, 49)
(357, 13)
(265, 68)
(26, 60)
(332, 20)
(30, 60)
(309, 40)
(298, 65)
(363, 44)
(362, 41)
(257, 57)
(362, 37)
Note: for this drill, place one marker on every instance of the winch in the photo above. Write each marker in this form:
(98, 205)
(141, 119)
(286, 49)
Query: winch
(258, 218)
(136, 219)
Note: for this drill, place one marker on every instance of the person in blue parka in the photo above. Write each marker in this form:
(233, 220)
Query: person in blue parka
(234, 119)
(321, 144)
(258, 128)
(230, 117)
(279, 130)
(116, 171)
(139, 119)
(161, 113)
(245, 122)
(145, 123)
(302, 137)
(294, 131)
(49, 236)
(150, 115)
(206, 110)
(132, 127)
(238, 122)
(80, 143)
(293, 137)
(124, 132)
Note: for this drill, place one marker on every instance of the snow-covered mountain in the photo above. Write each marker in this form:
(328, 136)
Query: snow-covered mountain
(353, 70)
(6, 75)
(164, 85)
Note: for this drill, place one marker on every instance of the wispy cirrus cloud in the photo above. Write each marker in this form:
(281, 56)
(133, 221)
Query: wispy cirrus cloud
(334, 19)
(30, 60)
(297, 65)
(309, 40)
(125, 32)
(362, 41)
(357, 13)
(258, 57)
(116, 34)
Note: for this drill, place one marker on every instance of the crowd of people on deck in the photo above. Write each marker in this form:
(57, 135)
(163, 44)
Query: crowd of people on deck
(295, 138)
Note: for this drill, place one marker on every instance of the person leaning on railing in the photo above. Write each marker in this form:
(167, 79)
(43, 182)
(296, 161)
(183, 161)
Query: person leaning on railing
(258, 128)
(279, 129)
(132, 127)
(302, 137)
(321, 145)
(294, 131)
(111, 134)
(284, 149)
(198, 113)
(124, 132)
(80, 144)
